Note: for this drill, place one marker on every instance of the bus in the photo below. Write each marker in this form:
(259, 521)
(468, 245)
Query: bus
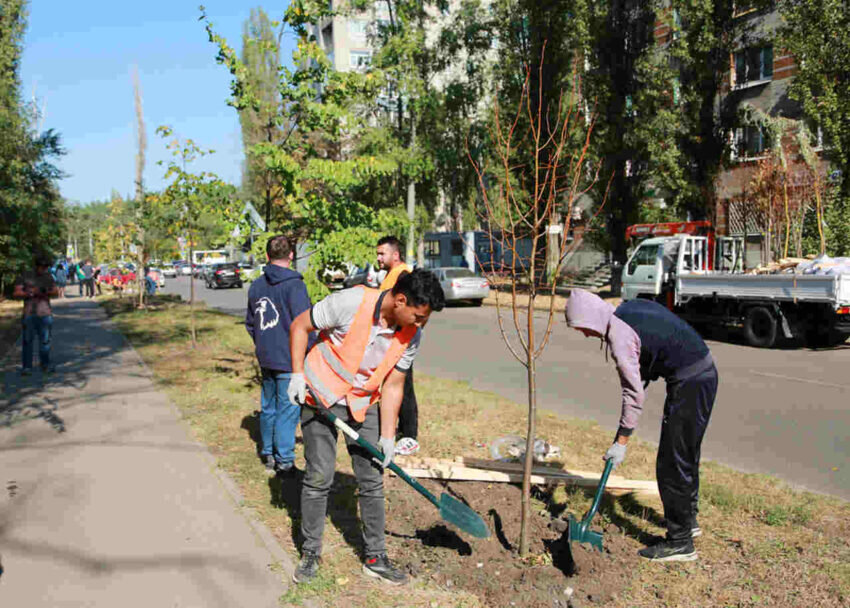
(474, 250)
(209, 256)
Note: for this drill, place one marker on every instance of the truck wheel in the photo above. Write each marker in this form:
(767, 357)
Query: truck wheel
(760, 327)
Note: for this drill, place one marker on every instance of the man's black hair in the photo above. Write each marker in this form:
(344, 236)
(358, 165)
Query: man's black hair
(421, 287)
(391, 241)
(278, 248)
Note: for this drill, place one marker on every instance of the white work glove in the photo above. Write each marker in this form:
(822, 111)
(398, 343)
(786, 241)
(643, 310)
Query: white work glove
(617, 453)
(388, 447)
(297, 391)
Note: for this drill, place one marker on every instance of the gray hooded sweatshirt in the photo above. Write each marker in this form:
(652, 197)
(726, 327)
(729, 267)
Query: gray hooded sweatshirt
(589, 311)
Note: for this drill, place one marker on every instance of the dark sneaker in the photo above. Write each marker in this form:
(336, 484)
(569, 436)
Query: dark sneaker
(287, 470)
(667, 551)
(379, 566)
(268, 462)
(307, 568)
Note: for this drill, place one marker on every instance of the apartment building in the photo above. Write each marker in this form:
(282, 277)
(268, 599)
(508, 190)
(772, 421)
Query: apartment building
(759, 77)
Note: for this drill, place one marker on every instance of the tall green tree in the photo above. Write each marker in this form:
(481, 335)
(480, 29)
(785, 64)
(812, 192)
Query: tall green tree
(705, 37)
(30, 204)
(326, 159)
(192, 200)
(260, 120)
(817, 34)
(631, 90)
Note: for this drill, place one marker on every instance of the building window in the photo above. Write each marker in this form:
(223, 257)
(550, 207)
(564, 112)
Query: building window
(432, 249)
(360, 59)
(753, 66)
(357, 28)
(750, 141)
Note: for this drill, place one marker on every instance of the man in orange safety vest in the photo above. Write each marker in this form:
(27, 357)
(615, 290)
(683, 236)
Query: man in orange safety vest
(368, 341)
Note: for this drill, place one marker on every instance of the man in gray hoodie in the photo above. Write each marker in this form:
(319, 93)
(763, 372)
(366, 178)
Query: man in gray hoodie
(649, 342)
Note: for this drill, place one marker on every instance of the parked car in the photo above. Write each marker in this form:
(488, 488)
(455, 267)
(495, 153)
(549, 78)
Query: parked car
(169, 271)
(185, 269)
(223, 275)
(366, 275)
(462, 284)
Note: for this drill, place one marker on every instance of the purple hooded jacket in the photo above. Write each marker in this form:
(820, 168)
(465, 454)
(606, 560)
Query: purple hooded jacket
(589, 311)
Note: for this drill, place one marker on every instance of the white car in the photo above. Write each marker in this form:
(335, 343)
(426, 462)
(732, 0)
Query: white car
(186, 269)
(462, 284)
(169, 272)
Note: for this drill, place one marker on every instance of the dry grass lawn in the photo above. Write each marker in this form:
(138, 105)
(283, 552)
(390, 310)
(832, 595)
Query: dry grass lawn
(764, 543)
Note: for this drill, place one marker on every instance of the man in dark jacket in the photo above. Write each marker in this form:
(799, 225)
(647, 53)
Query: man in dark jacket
(274, 300)
(649, 342)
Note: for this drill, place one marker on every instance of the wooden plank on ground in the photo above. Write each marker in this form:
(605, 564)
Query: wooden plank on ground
(463, 470)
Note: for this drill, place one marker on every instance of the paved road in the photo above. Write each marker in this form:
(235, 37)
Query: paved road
(106, 499)
(784, 412)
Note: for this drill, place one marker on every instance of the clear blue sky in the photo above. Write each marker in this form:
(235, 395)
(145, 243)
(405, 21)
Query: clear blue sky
(78, 58)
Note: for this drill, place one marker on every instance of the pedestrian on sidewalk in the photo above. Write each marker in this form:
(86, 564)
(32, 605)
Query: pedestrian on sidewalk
(649, 342)
(81, 277)
(88, 278)
(368, 341)
(61, 278)
(274, 300)
(389, 259)
(96, 279)
(35, 288)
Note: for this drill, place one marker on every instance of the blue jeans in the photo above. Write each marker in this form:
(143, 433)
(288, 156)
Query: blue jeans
(278, 418)
(37, 328)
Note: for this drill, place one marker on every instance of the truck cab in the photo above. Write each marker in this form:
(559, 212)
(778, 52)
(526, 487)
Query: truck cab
(654, 265)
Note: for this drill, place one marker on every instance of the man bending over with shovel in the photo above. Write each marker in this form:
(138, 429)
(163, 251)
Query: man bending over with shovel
(649, 342)
(368, 341)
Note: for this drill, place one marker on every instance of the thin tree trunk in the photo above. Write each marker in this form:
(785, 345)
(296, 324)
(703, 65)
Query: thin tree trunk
(140, 190)
(192, 289)
(529, 442)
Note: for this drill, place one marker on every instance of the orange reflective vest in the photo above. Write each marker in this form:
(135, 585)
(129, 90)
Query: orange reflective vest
(330, 369)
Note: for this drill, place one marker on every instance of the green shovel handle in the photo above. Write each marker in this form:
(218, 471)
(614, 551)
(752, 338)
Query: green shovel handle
(355, 436)
(609, 464)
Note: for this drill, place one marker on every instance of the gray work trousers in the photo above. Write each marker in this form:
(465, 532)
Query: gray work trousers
(320, 438)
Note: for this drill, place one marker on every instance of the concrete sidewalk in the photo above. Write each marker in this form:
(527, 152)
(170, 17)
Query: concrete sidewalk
(106, 501)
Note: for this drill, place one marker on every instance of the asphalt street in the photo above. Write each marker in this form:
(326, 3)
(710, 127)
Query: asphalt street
(781, 411)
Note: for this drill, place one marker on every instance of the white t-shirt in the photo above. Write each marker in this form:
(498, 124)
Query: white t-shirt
(335, 314)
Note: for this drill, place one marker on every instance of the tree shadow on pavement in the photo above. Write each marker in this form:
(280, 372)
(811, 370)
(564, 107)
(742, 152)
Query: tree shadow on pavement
(74, 357)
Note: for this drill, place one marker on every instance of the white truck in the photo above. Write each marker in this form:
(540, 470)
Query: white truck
(682, 273)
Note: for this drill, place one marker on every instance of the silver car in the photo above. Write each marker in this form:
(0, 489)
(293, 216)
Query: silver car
(462, 284)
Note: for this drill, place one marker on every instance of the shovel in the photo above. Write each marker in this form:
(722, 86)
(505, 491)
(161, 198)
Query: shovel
(451, 509)
(579, 531)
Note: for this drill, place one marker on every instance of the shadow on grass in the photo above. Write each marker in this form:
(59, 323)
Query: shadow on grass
(630, 506)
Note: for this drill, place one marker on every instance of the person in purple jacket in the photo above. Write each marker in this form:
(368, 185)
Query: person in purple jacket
(649, 342)
(274, 300)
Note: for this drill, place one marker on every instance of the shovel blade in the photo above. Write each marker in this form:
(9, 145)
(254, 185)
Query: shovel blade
(580, 532)
(459, 514)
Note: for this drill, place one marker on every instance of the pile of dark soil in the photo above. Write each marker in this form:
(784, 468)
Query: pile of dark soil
(551, 574)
